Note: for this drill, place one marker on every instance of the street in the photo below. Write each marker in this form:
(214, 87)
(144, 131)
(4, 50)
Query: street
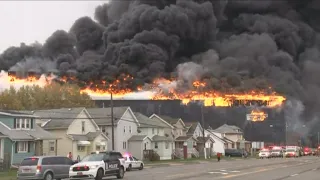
(251, 169)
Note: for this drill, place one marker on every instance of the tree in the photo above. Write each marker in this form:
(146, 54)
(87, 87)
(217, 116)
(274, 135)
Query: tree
(49, 97)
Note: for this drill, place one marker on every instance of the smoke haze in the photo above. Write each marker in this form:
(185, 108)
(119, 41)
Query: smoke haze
(229, 44)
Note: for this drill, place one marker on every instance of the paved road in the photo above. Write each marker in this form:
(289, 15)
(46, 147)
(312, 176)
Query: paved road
(306, 168)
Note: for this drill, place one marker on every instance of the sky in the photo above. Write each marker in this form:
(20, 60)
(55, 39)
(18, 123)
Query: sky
(31, 21)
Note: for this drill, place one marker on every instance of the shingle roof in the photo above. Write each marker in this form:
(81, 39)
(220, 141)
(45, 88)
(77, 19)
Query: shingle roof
(137, 138)
(59, 118)
(200, 139)
(102, 116)
(145, 121)
(183, 138)
(228, 129)
(158, 138)
(36, 133)
(169, 119)
(85, 137)
(192, 127)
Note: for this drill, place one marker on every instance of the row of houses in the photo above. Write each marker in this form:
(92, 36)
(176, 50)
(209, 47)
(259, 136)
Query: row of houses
(85, 130)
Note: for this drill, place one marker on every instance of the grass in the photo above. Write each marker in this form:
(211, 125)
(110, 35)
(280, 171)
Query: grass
(10, 174)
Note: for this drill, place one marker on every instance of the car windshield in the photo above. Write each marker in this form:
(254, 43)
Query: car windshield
(290, 150)
(95, 157)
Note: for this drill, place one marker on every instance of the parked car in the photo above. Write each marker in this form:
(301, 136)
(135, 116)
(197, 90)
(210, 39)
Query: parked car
(236, 153)
(264, 153)
(132, 162)
(98, 165)
(44, 167)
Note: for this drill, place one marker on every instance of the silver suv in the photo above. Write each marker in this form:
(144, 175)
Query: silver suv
(44, 167)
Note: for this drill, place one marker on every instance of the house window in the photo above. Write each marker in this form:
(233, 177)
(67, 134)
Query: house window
(82, 126)
(152, 130)
(51, 146)
(124, 145)
(167, 145)
(81, 148)
(130, 129)
(232, 146)
(156, 145)
(98, 148)
(22, 123)
(124, 129)
(158, 130)
(103, 129)
(22, 146)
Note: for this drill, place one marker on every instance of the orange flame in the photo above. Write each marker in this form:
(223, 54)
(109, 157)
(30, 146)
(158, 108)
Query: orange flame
(257, 115)
(163, 89)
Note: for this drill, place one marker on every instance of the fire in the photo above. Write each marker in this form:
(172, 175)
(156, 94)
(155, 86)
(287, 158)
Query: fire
(160, 89)
(257, 115)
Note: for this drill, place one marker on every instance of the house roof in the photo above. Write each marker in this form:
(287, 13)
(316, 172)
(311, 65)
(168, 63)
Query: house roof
(217, 137)
(137, 138)
(200, 139)
(16, 113)
(184, 138)
(226, 139)
(34, 134)
(58, 118)
(192, 127)
(102, 116)
(90, 136)
(145, 121)
(158, 138)
(169, 119)
(228, 129)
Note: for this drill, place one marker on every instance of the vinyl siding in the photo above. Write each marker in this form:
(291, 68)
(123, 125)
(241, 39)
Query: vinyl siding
(64, 145)
(126, 121)
(148, 132)
(164, 153)
(9, 121)
(18, 157)
(75, 126)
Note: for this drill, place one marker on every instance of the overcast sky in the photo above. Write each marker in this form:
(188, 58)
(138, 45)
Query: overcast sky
(30, 21)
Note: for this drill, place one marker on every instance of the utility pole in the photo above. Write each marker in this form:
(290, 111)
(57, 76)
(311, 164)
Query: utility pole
(204, 139)
(112, 121)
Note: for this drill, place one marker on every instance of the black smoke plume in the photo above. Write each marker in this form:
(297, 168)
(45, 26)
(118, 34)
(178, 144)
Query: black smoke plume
(242, 44)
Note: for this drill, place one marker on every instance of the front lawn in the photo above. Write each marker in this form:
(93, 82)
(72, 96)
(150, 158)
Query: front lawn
(8, 174)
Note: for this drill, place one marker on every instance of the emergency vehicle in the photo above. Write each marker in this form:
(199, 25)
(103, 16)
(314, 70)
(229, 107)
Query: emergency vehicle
(307, 151)
(292, 151)
(98, 165)
(132, 162)
(264, 153)
(277, 151)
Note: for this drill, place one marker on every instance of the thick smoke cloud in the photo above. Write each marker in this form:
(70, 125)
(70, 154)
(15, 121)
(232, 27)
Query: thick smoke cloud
(243, 45)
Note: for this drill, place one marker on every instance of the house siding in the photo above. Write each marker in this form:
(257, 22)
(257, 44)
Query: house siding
(18, 157)
(164, 153)
(218, 145)
(75, 126)
(179, 130)
(64, 143)
(126, 121)
(7, 146)
(7, 120)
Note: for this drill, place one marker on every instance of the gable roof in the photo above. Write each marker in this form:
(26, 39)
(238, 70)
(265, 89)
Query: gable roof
(200, 139)
(17, 113)
(90, 136)
(138, 138)
(228, 129)
(60, 118)
(185, 138)
(217, 137)
(102, 116)
(171, 120)
(145, 121)
(192, 126)
(159, 118)
(33, 134)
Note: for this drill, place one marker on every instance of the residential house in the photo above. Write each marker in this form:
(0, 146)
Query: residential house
(179, 134)
(20, 137)
(234, 135)
(154, 129)
(195, 130)
(125, 125)
(76, 132)
(219, 143)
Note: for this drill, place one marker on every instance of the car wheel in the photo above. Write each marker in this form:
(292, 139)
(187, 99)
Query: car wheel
(48, 176)
(99, 175)
(141, 166)
(129, 167)
(120, 173)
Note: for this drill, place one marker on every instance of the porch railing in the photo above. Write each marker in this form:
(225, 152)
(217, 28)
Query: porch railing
(195, 153)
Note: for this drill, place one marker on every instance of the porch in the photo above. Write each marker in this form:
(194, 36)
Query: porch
(185, 147)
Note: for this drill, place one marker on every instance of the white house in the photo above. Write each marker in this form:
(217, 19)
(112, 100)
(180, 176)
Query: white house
(125, 125)
(76, 132)
(219, 143)
(155, 129)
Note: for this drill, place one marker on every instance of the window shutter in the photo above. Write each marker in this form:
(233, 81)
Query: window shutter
(29, 146)
(15, 123)
(16, 147)
(31, 123)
